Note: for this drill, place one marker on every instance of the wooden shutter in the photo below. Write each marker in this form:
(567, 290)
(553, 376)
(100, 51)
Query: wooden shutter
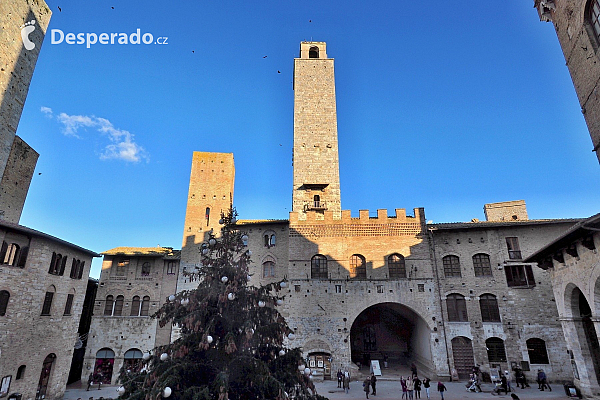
(23, 257)
(63, 265)
(3, 251)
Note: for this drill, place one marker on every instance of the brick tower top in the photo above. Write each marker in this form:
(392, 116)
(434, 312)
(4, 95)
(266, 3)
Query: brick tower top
(316, 165)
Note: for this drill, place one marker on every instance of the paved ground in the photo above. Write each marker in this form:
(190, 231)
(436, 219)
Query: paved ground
(386, 390)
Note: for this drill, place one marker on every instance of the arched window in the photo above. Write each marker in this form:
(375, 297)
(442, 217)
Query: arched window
(4, 297)
(592, 14)
(144, 309)
(537, 351)
(135, 306)
(457, 308)
(451, 266)
(108, 305)
(56, 264)
(146, 269)
(318, 267)
(207, 215)
(396, 266)
(269, 239)
(358, 267)
(495, 350)
(313, 52)
(45, 376)
(21, 372)
(268, 269)
(47, 306)
(132, 360)
(118, 310)
(12, 252)
(489, 308)
(69, 302)
(105, 359)
(482, 265)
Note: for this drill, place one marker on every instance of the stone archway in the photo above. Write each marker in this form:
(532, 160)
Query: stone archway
(586, 333)
(394, 332)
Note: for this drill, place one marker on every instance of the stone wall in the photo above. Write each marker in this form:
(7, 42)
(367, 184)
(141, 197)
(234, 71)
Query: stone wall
(26, 337)
(580, 48)
(17, 63)
(16, 180)
(526, 312)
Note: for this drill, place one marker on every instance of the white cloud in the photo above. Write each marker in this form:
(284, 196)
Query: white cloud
(122, 144)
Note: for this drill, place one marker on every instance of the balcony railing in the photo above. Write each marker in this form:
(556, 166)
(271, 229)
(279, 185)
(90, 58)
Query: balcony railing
(315, 205)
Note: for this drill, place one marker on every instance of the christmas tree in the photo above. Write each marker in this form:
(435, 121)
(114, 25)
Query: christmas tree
(231, 343)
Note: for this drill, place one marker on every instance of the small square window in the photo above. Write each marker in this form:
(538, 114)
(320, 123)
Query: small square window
(379, 288)
(421, 287)
(338, 288)
(296, 288)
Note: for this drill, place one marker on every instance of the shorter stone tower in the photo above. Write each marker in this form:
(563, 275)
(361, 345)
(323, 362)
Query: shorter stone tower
(211, 192)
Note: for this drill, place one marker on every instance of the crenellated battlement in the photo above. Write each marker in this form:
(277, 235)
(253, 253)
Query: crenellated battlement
(328, 217)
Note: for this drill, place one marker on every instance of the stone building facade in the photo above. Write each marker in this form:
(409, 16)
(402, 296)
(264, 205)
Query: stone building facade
(134, 283)
(23, 25)
(376, 286)
(577, 26)
(42, 288)
(498, 311)
(573, 263)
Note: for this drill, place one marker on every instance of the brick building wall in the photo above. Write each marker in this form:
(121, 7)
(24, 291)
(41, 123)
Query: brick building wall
(26, 336)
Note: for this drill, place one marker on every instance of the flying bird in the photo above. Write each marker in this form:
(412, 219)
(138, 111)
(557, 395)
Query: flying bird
(113, 8)
(310, 20)
(278, 72)
(59, 9)
(39, 173)
(265, 57)
(193, 51)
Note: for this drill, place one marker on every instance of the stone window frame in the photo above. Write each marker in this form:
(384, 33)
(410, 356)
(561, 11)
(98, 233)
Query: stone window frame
(268, 269)
(4, 299)
(482, 265)
(592, 22)
(269, 239)
(48, 299)
(132, 359)
(69, 303)
(108, 305)
(145, 306)
(21, 372)
(171, 267)
(513, 247)
(537, 351)
(57, 264)
(358, 266)
(496, 350)
(18, 245)
(456, 306)
(122, 265)
(519, 275)
(318, 267)
(77, 267)
(135, 306)
(118, 306)
(396, 266)
(451, 263)
(488, 304)
(146, 268)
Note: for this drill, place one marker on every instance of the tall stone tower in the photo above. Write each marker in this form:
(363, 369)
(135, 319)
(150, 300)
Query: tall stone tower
(211, 191)
(316, 165)
(23, 25)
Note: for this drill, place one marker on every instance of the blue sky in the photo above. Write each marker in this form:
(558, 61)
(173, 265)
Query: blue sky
(442, 107)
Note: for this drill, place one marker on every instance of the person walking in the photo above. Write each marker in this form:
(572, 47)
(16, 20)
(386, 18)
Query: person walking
(543, 380)
(417, 387)
(373, 383)
(426, 385)
(90, 381)
(367, 386)
(410, 387)
(403, 383)
(346, 381)
(441, 389)
(340, 377)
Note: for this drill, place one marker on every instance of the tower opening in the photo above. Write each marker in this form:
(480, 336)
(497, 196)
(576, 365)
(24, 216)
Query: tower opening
(313, 52)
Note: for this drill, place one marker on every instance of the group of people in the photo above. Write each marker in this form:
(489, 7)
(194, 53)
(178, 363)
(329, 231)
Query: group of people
(343, 378)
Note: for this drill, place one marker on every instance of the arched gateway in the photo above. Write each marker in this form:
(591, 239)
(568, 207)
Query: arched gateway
(394, 332)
